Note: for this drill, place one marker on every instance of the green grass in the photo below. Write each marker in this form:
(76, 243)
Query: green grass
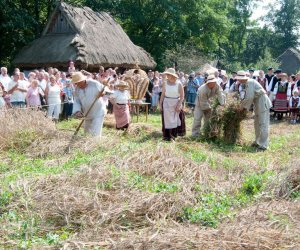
(214, 207)
(211, 207)
(150, 184)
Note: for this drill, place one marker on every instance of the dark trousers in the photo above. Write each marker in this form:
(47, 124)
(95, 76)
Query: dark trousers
(67, 111)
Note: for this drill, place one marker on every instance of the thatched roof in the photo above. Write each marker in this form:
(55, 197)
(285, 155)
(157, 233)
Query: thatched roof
(89, 38)
(290, 61)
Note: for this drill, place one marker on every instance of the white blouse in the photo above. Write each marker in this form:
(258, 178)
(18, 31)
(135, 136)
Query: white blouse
(121, 97)
(172, 91)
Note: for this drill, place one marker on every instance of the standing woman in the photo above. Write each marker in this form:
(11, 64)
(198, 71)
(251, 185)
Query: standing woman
(172, 97)
(120, 100)
(52, 94)
(2, 94)
(33, 95)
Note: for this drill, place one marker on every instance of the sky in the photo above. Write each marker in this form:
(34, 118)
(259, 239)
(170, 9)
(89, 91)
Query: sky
(261, 9)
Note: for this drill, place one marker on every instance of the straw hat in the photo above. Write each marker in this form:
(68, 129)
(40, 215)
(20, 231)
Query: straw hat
(122, 84)
(78, 77)
(171, 71)
(283, 75)
(211, 78)
(241, 75)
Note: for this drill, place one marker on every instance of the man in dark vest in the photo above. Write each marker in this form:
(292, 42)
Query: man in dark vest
(275, 79)
(251, 72)
(269, 76)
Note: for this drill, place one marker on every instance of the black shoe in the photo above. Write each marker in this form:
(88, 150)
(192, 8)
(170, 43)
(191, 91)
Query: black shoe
(254, 144)
(261, 149)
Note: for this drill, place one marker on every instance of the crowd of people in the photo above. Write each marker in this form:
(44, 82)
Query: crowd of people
(64, 94)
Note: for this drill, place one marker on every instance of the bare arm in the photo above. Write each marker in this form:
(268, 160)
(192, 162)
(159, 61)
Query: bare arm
(13, 89)
(181, 98)
(46, 93)
(163, 93)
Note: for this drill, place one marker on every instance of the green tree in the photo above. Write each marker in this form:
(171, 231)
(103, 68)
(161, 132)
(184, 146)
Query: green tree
(286, 23)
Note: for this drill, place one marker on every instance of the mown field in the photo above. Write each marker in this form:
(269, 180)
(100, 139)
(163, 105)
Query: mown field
(134, 191)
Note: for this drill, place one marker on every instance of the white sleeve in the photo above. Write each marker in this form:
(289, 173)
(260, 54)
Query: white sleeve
(289, 91)
(275, 89)
(291, 102)
(227, 87)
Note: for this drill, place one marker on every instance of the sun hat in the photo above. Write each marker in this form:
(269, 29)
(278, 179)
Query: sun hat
(283, 75)
(211, 78)
(122, 84)
(78, 77)
(241, 75)
(171, 71)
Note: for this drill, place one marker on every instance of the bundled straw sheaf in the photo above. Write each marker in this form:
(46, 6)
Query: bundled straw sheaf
(138, 82)
(225, 122)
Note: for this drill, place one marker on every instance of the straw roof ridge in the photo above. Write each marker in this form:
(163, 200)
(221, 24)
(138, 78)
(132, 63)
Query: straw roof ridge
(94, 39)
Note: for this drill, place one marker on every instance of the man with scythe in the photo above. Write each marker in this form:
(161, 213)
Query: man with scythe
(88, 103)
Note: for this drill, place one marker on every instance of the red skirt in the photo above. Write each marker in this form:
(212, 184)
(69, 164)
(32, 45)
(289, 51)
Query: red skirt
(280, 102)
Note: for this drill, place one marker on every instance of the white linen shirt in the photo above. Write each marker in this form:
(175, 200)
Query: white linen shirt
(121, 97)
(85, 97)
(17, 95)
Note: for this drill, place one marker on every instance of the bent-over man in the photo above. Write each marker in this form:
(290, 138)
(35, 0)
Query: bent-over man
(86, 91)
(203, 107)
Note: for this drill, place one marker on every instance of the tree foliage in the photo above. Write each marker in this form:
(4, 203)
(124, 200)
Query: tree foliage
(215, 29)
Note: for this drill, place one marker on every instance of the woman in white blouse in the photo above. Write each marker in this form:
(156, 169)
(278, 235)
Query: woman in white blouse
(120, 100)
(52, 95)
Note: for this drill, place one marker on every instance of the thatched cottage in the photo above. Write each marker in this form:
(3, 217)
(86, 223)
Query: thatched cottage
(88, 38)
(290, 61)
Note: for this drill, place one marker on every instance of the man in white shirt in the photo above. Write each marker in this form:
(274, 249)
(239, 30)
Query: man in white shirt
(17, 90)
(4, 78)
(86, 92)
(24, 81)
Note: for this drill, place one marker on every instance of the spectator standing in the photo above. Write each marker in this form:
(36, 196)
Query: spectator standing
(294, 104)
(71, 68)
(52, 94)
(155, 93)
(269, 76)
(4, 78)
(33, 96)
(282, 92)
(297, 83)
(68, 91)
(2, 93)
(199, 79)
(17, 91)
(192, 87)
(262, 80)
